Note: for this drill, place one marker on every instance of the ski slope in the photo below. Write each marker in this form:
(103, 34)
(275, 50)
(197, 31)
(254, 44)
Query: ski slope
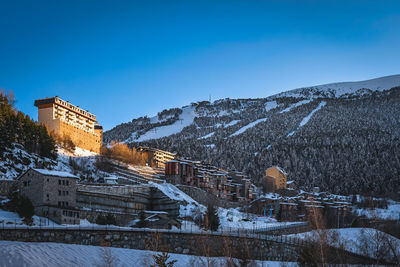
(306, 119)
(185, 119)
(302, 102)
(248, 126)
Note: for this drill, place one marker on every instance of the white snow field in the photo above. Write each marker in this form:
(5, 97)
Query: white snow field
(251, 124)
(23, 254)
(349, 239)
(391, 213)
(185, 119)
(342, 88)
(270, 105)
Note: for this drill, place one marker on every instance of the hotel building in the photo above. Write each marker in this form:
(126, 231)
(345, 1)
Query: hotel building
(64, 119)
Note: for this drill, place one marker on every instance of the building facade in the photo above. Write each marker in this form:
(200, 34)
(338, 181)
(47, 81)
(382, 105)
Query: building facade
(52, 193)
(276, 177)
(156, 157)
(229, 185)
(66, 120)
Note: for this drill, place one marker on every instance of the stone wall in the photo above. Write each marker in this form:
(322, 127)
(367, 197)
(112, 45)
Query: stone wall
(5, 186)
(173, 242)
(203, 197)
(260, 247)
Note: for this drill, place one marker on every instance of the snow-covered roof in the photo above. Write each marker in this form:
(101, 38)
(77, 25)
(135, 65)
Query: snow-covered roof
(289, 182)
(55, 173)
(281, 170)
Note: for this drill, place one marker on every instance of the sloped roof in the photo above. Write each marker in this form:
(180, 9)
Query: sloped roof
(55, 173)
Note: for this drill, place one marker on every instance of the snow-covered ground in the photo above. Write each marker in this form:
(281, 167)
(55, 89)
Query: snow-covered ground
(54, 254)
(244, 128)
(8, 218)
(230, 219)
(185, 119)
(233, 219)
(270, 105)
(343, 88)
(391, 213)
(351, 239)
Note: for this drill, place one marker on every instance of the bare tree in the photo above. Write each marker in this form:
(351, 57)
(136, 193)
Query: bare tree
(107, 259)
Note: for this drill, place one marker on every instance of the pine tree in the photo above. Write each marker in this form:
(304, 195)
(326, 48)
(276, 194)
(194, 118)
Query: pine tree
(212, 218)
(160, 260)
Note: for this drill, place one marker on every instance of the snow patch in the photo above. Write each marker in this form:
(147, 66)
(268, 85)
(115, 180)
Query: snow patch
(270, 105)
(244, 128)
(231, 123)
(206, 136)
(302, 102)
(305, 120)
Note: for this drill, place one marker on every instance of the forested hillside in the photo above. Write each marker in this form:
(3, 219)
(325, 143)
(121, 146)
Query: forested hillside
(16, 127)
(344, 143)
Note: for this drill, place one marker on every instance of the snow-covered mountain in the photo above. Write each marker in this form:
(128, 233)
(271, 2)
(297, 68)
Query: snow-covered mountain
(345, 89)
(322, 135)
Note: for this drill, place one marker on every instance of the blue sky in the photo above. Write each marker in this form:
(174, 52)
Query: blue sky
(125, 59)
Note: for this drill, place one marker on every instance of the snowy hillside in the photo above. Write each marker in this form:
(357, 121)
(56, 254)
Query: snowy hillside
(343, 89)
(17, 160)
(336, 136)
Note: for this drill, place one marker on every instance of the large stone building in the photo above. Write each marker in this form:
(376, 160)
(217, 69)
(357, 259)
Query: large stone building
(53, 194)
(64, 119)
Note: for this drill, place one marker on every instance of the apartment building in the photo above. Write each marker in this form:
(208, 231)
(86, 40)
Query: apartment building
(276, 178)
(157, 157)
(53, 194)
(229, 185)
(64, 119)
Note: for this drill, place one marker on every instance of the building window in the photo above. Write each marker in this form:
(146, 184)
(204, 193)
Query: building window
(67, 182)
(59, 192)
(47, 179)
(59, 182)
(63, 182)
